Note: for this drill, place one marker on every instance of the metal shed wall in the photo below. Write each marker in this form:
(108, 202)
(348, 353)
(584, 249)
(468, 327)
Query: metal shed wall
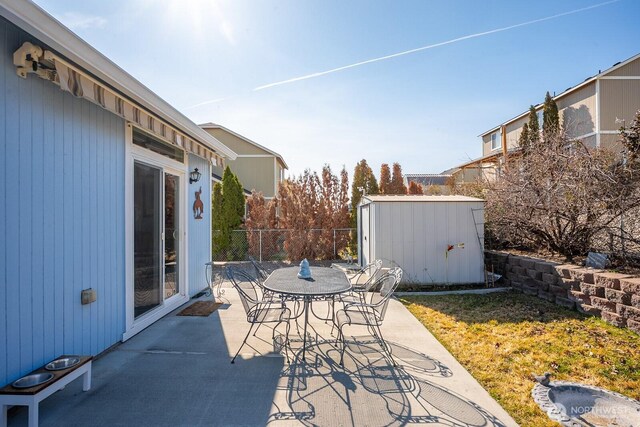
(415, 235)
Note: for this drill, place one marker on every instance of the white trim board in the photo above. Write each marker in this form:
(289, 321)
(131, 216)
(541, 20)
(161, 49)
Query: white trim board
(134, 153)
(620, 78)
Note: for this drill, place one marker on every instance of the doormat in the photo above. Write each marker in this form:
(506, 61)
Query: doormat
(200, 308)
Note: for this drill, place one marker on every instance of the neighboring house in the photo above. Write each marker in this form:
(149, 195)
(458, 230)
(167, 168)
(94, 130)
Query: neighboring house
(432, 183)
(96, 193)
(257, 167)
(592, 111)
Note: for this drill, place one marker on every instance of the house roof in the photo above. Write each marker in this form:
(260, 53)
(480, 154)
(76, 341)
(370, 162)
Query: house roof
(585, 82)
(427, 178)
(417, 198)
(37, 22)
(211, 125)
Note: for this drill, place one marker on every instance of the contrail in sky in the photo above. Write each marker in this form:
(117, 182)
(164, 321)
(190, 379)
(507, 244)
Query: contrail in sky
(407, 52)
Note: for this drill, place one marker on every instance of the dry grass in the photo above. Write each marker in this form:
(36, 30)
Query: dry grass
(503, 338)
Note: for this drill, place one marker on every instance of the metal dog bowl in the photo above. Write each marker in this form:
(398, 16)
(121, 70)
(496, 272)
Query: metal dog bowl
(62, 363)
(33, 380)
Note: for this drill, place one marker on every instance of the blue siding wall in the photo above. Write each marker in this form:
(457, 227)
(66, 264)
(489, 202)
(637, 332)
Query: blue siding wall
(199, 229)
(62, 220)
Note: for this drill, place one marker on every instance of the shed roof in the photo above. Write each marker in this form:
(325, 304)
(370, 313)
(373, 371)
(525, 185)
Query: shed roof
(47, 29)
(417, 198)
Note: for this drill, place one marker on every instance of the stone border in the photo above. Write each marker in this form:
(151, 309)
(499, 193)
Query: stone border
(614, 297)
(540, 395)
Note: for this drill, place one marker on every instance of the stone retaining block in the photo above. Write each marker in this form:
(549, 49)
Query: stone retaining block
(579, 297)
(546, 267)
(583, 275)
(558, 290)
(546, 296)
(618, 296)
(614, 319)
(635, 301)
(592, 290)
(609, 280)
(534, 274)
(569, 284)
(603, 304)
(631, 285)
(629, 312)
(566, 302)
(634, 326)
(564, 270)
(590, 310)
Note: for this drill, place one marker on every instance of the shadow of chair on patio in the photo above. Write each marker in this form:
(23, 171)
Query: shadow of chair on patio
(369, 390)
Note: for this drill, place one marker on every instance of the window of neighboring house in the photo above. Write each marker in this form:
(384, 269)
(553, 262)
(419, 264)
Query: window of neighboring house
(495, 140)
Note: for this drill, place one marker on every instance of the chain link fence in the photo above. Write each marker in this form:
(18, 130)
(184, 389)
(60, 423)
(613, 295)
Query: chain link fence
(281, 244)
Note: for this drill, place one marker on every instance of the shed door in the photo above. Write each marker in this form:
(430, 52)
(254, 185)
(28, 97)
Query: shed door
(365, 232)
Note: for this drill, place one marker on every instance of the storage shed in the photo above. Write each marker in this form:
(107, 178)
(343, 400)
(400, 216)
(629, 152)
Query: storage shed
(435, 239)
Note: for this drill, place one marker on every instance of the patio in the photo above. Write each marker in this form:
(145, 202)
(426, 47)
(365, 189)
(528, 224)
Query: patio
(177, 372)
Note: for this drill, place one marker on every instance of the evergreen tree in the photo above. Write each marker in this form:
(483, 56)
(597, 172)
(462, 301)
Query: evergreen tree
(534, 126)
(523, 141)
(228, 211)
(385, 179)
(364, 182)
(550, 118)
(397, 181)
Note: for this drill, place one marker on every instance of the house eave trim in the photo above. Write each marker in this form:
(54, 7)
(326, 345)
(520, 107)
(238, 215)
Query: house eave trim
(48, 30)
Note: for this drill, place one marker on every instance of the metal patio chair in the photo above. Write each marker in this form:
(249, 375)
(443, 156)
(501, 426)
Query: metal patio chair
(257, 309)
(370, 314)
(363, 280)
(261, 272)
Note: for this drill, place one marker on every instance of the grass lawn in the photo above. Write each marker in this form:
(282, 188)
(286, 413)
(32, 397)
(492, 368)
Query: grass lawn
(502, 338)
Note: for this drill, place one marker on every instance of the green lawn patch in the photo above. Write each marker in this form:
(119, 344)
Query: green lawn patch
(502, 338)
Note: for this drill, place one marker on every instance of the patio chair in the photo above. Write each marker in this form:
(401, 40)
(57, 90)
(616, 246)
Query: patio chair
(370, 314)
(258, 311)
(362, 282)
(261, 272)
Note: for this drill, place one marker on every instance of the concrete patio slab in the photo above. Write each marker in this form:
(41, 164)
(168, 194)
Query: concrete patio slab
(177, 372)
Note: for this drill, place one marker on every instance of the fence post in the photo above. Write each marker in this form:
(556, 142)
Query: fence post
(335, 256)
(260, 244)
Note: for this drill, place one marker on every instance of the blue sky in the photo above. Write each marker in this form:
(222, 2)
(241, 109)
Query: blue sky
(423, 109)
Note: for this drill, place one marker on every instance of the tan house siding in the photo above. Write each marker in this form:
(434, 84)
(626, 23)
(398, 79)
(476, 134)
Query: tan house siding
(578, 111)
(254, 173)
(611, 142)
(619, 99)
(238, 145)
(513, 130)
(630, 69)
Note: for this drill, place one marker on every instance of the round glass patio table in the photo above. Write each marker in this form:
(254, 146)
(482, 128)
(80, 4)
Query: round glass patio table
(325, 282)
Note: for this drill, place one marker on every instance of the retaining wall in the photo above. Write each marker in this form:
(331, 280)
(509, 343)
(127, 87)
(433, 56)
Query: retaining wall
(612, 296)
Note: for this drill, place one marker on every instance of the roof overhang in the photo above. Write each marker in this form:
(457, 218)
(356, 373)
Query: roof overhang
(48, 30)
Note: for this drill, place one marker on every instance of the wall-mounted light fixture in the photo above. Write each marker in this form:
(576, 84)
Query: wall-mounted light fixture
(194, 176)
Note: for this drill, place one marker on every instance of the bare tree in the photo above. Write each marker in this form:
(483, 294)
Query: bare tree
(559, 194)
